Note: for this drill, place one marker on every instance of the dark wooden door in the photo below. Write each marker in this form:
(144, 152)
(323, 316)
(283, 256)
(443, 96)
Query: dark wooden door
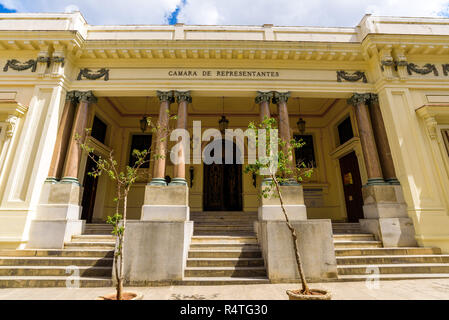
(352, 185)
(90, 192)
(222, 186)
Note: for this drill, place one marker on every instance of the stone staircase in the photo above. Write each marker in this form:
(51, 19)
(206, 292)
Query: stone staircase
(87, 259)
(224, 250)
(359, 256)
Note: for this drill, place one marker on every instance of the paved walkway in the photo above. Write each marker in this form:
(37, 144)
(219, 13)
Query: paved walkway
(387, 290)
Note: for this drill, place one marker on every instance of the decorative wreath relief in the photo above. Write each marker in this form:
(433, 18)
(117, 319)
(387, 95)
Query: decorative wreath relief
(446, 69)
(88, 74)
(356, 76)
(18, 66)
(428, 68)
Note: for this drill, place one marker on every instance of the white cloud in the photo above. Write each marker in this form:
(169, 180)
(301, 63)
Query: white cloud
(302, 12)
(240, 12)
(101, 12)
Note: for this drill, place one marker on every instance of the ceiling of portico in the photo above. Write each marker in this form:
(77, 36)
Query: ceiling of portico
(204, 106)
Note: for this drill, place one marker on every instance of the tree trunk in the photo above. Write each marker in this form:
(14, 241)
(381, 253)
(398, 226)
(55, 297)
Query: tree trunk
(122, 256)
(305, 287)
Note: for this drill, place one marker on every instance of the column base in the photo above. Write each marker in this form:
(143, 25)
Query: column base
(165, 213)
(178, 182)
(155, 251)
(393, 232)
(70, 180)
(375, 182)
(386, 216)
(393, 181)
(51, 180)
(52, 234)
(158, 182)
(57, 216)
(274, 213)
(315, 245)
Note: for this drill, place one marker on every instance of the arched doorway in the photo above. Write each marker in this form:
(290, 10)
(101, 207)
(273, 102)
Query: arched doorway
(222, 184)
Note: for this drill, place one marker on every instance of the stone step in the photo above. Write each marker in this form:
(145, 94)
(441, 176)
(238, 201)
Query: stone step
(392, 259)
(386, 251)
(220, 245)
(394, 268)
(385, 277)
(224, 227)
(89, 244)
(357, 244)
(225, 239)
(223, 213)
(99, 253)
(244, 253)
(223, 233)
(225, 272)
(37, 271)
(51, 282)
(225, 262)
(56, 261)
(224, 223)
(93, 238)
(354, 237)
(221, 281)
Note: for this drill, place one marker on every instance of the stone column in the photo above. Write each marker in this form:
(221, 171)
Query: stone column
(380, 135)
(183, 99)
(62, 139)
(166, 98)
(281, 99)
(384, 208)
(73, 158)
(372, 163)
(263, 100)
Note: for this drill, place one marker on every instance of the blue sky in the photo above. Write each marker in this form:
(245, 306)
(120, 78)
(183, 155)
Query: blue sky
(332, 13)
(5, 10)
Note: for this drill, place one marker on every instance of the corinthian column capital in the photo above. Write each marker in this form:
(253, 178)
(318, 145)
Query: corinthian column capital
(279, 97)
(87, 96)
(358, 98)
(71, 96)
(182, 96)
(165, 96)
(263, 97)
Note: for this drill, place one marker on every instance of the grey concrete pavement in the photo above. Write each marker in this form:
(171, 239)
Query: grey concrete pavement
(389, 290)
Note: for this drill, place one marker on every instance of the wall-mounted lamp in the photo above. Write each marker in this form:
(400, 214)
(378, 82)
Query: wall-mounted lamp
(254, 180)
(144, 124)
(192, 173)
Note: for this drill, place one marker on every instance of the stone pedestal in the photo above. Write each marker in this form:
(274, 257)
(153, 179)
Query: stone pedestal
(386, 216)
(57, 216)
(166, 203)
(316, 247)
(155, 252)
(293, 196)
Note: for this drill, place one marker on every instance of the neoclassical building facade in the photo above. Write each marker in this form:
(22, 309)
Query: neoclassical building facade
(371, 103)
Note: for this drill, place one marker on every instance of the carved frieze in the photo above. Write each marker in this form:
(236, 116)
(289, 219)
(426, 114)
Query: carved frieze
(446, 69)
(356, 76)
(18, 66)
(90, 75)
(428, 68)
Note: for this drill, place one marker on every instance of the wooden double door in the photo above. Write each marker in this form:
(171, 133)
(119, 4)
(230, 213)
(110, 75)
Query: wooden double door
(222, 186)
(352, 186)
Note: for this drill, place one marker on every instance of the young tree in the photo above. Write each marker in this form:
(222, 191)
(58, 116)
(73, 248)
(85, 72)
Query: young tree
(124, 180)
(286, 172)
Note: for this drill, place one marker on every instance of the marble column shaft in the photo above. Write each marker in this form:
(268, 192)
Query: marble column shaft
(74, 153)
(166, 98)
(380, 135)
(370, 154)
(183, 99)
(63, 138)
